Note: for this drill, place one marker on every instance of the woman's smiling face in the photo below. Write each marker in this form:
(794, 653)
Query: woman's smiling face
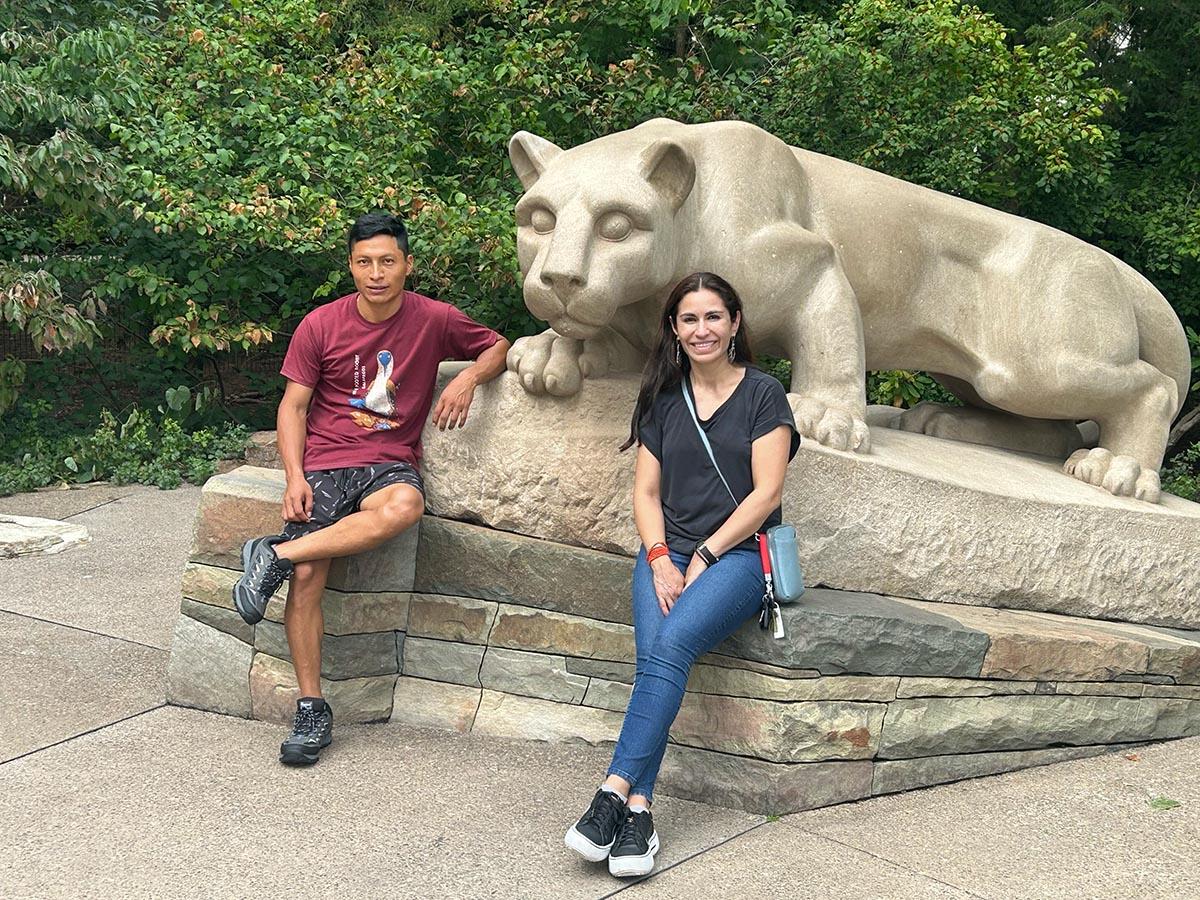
(703, 326)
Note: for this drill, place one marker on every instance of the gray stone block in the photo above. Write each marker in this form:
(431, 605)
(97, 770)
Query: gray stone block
(909, 774)
(1097, 688)
(531, 675)
(708, 679)
(273, 693)
(390, 567)
(208, 669)
(509, 716)
(217, 617)
(602, 668)
(761, 787)
(511, 568)
(841, 632)
(1036, 646)
(234, 507)
(962, 687)
(525, 628)
(434, 704)
(983, 724)
(751, 665)
(443, 661)
(361, 612)
(210, 585)
(462, 619)
(1184, 691)
(612, 695)
(780, 732)
(342, 656)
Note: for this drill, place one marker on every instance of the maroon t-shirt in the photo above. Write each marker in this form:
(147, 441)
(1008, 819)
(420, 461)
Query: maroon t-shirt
(373, 381)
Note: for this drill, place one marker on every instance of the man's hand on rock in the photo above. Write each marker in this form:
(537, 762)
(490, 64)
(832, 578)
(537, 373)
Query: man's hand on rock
(452, 406)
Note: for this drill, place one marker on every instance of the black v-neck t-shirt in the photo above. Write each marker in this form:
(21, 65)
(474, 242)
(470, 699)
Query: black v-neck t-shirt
(694, 501)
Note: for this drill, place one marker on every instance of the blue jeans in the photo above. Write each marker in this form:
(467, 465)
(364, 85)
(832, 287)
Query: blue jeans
(712, 608)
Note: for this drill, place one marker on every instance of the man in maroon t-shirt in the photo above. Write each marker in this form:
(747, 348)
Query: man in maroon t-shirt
(360, 376)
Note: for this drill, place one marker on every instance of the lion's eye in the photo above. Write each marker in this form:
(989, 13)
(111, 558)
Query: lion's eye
(614, 226)
(542, 221)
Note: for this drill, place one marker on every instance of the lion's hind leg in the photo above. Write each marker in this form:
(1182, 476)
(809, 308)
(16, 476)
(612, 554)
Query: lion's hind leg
(992, 428)
(980, 422)
(1132, 402)
(1137, 413)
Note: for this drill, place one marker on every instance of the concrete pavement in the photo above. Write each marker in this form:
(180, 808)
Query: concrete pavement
(106, 792)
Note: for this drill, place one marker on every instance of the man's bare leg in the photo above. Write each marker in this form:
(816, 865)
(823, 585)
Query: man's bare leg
(304, 622)
(381, 516)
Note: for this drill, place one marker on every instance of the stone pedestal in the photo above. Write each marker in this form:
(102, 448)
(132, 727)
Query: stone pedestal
(515, 636)
(917, 516)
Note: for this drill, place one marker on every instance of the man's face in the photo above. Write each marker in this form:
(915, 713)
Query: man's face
(379, 268)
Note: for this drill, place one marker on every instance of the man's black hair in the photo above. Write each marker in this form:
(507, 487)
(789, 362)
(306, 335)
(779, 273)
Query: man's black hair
(377, 222)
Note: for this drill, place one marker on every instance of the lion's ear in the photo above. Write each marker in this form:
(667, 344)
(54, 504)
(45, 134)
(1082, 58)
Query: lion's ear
(670, 169)
(530, 155)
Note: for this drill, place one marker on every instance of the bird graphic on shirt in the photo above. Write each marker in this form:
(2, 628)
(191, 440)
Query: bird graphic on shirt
(380, 397)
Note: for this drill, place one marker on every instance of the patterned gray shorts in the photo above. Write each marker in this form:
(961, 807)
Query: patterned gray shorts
(339, 492)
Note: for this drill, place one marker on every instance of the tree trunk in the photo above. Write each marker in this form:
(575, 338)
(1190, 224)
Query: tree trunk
(1189, 421)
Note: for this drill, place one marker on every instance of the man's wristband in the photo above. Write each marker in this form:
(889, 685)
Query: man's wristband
(702, 551)
(656, 551)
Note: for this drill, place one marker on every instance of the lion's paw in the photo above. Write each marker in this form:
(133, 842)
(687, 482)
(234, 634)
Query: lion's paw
(547, 363)
(830, 426)
(1120, 475)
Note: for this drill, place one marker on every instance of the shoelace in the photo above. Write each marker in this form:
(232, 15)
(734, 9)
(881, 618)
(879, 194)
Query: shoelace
(268, 575)
(605, 812)
(308, 721)
(630, 837)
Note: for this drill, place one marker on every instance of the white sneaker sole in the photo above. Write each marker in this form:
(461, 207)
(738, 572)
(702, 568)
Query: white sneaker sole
(631, 866)
(585, 848)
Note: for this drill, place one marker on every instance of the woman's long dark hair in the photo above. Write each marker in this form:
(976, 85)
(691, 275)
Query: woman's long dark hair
(662, 372)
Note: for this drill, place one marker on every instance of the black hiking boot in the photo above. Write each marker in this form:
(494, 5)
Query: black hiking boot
(263, 573)
(312, 731)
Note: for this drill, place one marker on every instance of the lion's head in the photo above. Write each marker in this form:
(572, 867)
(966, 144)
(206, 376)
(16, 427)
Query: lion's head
(596, 227)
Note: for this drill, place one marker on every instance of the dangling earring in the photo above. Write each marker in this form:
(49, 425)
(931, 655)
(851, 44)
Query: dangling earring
(678, 353)
(732, 349)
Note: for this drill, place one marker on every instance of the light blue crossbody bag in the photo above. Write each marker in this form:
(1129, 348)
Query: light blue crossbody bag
(781, 555)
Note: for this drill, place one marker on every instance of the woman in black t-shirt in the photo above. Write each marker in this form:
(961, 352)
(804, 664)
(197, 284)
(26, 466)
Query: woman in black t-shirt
(698, 576)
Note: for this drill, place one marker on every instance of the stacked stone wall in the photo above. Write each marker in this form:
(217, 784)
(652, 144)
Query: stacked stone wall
(466, 628)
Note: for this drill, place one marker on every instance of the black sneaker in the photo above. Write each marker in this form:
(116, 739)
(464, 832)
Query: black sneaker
(634, 847)
(312, 731)
(262, 574)
(592, 836)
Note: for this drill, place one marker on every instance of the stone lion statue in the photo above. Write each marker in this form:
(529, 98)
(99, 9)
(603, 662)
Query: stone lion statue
(842, 269)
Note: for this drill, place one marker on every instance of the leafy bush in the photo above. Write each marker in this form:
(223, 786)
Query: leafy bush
(144, 447)
(1181, 475)
(906, 389)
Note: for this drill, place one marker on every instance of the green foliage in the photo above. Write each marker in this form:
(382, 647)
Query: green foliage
(906, 389)
(12, 376)
(1181, 475)
(1145, 50)
(65, 75)
(182, 173)
(931, 92)
(142, 447)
